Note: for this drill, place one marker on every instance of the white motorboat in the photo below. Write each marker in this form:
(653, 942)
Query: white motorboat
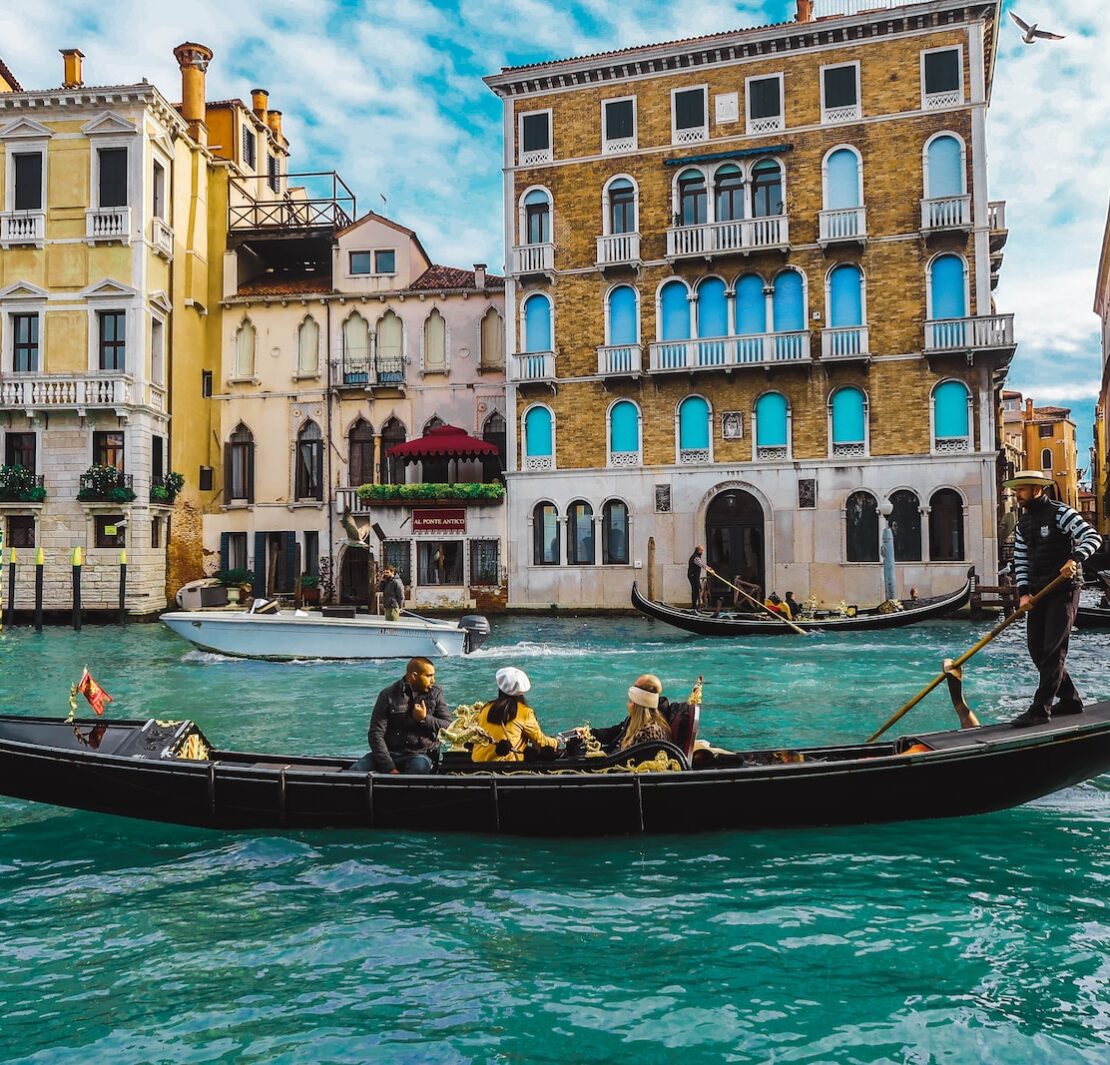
(288, 635)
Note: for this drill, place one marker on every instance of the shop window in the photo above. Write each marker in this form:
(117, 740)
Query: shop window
(485, 563)
(398, 554)
(439, 562)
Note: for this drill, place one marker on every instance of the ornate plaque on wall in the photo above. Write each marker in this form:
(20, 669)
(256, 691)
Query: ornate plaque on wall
(732, 425)
(662, 499)
(807, 494)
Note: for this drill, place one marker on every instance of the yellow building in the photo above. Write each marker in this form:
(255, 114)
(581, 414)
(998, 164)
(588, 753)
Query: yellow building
(749, 305)
(1051, 447)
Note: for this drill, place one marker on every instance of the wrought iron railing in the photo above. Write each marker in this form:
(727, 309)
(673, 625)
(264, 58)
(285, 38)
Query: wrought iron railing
(324, 202)
(101, 487)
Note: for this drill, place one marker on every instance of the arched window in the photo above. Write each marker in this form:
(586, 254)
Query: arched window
(614, 533)
(492, 340)
(624, 319)
(842, 180)
(434, 469)
(239, 466)
(848, 411)
(766, 189)
(392, 470)
(1046, 458)
(728, 193)
(712, 308)
(951, 417)
(537, 217)
(693, 198)
(674, 306)
(537, 324)
(360, 453)
(845, 296)
(308, 348)
(622, 206)
(772, 426)
(494, 431)
(905, 524)
(545, 535)
(244, 350)
(356, 350)
(390, 366)
(434, 422)
(435, 343)
(946, 526)
(539, 439)
(580, 534)
(947, 288)
(751, 306)
(944, 165)
(309, 473)
(789, 302)
(693, 430)
(624, 434)
(861, 518)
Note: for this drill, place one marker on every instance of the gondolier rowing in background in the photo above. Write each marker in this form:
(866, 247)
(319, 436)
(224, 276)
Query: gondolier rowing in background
(1052, 539)
(695, 571)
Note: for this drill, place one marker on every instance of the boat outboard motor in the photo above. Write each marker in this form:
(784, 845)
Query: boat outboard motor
(477, 631)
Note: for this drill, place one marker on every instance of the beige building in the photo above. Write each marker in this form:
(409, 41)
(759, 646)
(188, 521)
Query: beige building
(341, 339)
(749, 304)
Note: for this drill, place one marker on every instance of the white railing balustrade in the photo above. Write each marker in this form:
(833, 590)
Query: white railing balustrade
(996, 215)
(825, 8)
(59, 391)
(539, 462)
(949, 98)
(156, 397)
(946, 212)
(22, 227)
(963, 334)
(770, 124)
(772, 454)
(537, 157)
(618, 248)
(533, 258)
(761, 349)
(162, 237)
(624, 458)
(347, 499)
(623, 144)
(691, 136)
(849, 451)
(952, 445)
(533, 366)
(690, 455)
(727, 237)
(108, 223)
(845, 223)
(844, 342)
(848, 113)
(619, 359)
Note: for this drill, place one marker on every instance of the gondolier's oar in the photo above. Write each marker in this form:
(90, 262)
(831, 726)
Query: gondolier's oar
(762, 606)
(968, 654)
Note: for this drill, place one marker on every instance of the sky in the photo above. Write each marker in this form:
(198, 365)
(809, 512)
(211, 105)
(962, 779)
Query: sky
(389, 93)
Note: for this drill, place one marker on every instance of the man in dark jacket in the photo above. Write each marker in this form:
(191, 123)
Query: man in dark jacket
(695, 570)
(393, 593)
(406, 721)
(1052, 539)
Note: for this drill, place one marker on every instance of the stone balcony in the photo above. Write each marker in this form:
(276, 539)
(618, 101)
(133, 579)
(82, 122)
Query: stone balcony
(534, 260)
(108, 224)
(987, 333)
(717, 239)
(618, 249)
(74, 392)
(620, 360)
(945, 214)
(162, 238)
(726, 353)
(846, 225)
(526, 366)
(22, 227)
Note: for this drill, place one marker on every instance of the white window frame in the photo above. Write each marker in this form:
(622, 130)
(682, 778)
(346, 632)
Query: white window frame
(611, 461)
(158, 320)
(938, 100)
(614, 147)
(235, 375)
(836, 115)
(678, 452)
(929, 314)
(624, 283)
(133, 344)
(97, 142)
(35, 306)
(19, 145)
(757, 127)
(299, 374)
(375, 272)
(542, 462)
(522, 217)
(606, 214)
(693, 135)
(446, 368)
(536, 157)
(825, 175)
(926, 190)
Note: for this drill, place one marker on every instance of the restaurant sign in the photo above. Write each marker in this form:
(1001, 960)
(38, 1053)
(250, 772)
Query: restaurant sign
(439, 520)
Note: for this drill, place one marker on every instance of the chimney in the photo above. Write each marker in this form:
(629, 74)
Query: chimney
(805, 11)
(1029, 408)
(273, 120)
(71, 61)
(259, 99)
(193, 59)
(479, 276)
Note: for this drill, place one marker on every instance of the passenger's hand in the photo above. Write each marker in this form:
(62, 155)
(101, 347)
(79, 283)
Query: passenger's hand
(1070, 568)
(420, 711)
(395, 770)
(1025, 602)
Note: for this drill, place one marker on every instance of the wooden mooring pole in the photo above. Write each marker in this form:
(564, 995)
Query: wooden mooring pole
(123, 586)
(11, 587)
(39, 561)
(77, 562)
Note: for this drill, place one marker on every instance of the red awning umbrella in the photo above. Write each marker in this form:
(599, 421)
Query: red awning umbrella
(443, 442)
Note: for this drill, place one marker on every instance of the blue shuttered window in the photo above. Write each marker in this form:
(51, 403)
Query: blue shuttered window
(950, 411)
(948, 299)
(770, 420)
(623, 319)
(674, 306)
(946, 174)
(624, 427)
(789, 302)
(538, 433)
(845, 296)
(842, 171)
(751, 306)
(848, 416)
(712, 308)
(537, 324)
(693, 424)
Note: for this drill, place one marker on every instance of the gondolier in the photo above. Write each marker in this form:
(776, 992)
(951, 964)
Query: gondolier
(1052, 539)
(695, 571)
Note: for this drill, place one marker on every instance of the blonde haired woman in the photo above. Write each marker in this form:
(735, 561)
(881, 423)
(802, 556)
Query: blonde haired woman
(649, 716)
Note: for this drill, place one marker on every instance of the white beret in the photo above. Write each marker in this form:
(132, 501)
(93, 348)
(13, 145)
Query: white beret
(512, 681)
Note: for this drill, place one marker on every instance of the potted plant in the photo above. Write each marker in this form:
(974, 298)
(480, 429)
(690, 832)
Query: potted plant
(310, 588)
(165, 489)
(20, 485)
(105, 483)
(235, 580)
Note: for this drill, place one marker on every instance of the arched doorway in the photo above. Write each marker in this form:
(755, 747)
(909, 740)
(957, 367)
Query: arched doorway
(354, 576)
(734, 537)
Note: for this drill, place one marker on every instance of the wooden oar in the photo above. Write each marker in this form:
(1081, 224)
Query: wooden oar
(968, 654)
(763, 606)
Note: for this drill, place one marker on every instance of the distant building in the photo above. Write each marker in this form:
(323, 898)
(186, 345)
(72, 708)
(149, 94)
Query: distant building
(1051, 447)
(749, 302)
(1100, 464)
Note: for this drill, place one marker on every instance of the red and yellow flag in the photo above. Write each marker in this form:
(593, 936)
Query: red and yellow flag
(98, 698)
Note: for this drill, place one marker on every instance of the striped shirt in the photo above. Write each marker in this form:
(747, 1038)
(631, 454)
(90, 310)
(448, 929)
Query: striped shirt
(1085, 541)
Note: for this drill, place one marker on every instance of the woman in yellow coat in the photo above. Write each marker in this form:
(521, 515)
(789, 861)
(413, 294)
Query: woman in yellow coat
(510, 722)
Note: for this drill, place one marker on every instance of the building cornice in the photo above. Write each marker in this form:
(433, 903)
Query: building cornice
(99, 97)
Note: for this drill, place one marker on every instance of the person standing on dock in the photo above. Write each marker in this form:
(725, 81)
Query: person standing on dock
(695, 573)
(1052, 539)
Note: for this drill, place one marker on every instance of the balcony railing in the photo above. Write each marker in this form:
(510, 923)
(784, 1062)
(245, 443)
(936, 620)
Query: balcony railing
(97, 488)
(161, 238)
(533, 366)
(728, 238)
(847, 113)
(721, 352)
(22, 227)
(355, 372)
(615, 249)
(845, 342)
(59, 391)
(843, 224)
(996, 216)
(615, 359)
(317, 200)
(533, 258)
(952, 445)
(994, 331)
(108, 223)
(945, 212)
(22, 486)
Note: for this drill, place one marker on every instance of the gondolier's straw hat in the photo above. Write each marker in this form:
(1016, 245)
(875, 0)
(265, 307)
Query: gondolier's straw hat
(1033, 478)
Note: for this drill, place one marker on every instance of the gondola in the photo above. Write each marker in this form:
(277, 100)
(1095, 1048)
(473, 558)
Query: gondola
(1092, 617)
(751, 624)
(167, 771)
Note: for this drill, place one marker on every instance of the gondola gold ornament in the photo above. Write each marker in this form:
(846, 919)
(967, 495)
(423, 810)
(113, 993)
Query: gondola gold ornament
(762, 606)
(952, 667)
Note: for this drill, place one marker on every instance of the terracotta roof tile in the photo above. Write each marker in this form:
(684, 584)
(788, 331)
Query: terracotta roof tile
(9, 77)
(283, 286)
(451, 277)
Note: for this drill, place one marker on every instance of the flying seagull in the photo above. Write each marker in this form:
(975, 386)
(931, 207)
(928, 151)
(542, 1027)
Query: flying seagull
(1030, 34)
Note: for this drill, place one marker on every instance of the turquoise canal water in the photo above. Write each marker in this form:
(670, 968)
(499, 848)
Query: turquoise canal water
(970, 940)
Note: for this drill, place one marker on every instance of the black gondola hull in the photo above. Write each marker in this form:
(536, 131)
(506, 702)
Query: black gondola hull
(962, 773)
(1092, 617)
